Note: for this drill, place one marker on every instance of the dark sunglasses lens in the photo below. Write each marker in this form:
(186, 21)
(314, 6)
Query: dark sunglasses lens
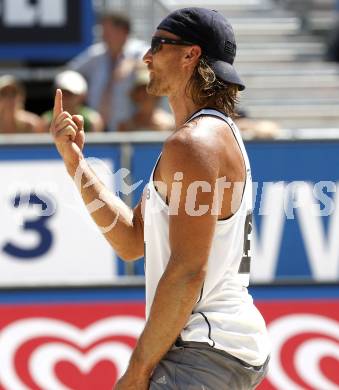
(155, 46)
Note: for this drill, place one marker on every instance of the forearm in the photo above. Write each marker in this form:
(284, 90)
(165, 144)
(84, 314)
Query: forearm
(174, 300)
(114, 218)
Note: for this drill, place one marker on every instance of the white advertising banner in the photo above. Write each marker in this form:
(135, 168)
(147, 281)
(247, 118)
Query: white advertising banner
(47, 236)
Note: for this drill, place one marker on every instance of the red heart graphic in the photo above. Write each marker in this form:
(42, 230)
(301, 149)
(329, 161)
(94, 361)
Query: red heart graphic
(329, 366)
(94, 339)
(102, 376)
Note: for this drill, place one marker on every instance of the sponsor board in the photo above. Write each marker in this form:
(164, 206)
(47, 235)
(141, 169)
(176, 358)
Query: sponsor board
(296, 208)
(44, 29)
(296, 199)
(305, 344)
(47, 237)
(69, 346)
(87, 344)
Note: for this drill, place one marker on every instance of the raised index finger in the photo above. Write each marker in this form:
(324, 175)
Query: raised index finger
(58, 109)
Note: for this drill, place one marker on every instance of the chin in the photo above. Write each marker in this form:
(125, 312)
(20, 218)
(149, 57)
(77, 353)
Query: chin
(154, 89)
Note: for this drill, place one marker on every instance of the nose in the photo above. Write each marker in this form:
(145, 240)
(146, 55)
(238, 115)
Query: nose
(147, 58)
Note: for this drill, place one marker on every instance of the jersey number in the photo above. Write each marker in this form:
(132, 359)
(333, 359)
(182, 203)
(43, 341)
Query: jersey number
(245, 263)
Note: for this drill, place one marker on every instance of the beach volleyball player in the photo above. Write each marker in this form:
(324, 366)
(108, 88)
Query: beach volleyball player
(194, 223)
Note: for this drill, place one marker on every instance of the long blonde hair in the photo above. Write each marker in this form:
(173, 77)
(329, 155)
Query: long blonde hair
(206, 90)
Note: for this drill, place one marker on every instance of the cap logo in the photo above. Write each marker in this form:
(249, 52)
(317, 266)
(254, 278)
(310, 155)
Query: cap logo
(230, 48)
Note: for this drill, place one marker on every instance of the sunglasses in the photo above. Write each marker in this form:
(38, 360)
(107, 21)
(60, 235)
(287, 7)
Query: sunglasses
(157, 43)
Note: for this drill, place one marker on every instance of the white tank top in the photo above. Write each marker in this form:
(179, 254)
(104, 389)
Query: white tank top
(224, 315)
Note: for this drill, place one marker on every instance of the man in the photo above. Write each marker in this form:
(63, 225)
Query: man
(74, 90)
(202, 329)
(108, 67)
(13, 116)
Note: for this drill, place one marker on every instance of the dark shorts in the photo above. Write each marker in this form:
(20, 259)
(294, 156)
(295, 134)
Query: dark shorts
(198, 366)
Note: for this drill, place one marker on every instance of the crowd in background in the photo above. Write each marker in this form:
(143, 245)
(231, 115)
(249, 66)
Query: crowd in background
(333, 41)
(106, 84)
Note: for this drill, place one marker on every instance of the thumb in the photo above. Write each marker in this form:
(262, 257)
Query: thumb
(58, 108)
(79, 121)
(80, 137)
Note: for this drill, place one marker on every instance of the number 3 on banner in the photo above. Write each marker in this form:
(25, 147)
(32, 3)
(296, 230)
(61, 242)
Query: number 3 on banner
(37, 225)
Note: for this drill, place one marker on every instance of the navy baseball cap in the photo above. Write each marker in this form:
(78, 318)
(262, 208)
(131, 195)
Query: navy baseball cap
(213, 33)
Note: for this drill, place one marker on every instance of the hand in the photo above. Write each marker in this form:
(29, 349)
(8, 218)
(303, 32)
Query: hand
(132, 382)
(68, 133)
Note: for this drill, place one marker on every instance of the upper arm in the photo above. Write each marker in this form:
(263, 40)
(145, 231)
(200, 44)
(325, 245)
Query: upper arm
(191, 222)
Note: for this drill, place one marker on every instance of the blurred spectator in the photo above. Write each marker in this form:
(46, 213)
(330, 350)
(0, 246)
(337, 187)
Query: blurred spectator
(13, 117)
(74, 90)
(254, 128)
(148, 115)
(332, 51)
(109, 69)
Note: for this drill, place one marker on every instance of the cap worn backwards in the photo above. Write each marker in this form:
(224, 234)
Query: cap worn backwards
(213, 33)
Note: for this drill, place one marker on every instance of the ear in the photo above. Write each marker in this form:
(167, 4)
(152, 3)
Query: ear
(192, 54)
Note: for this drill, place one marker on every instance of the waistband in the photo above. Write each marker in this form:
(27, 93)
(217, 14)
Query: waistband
(200, 345)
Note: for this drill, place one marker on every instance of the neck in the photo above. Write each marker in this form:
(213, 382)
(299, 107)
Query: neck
(182, 107)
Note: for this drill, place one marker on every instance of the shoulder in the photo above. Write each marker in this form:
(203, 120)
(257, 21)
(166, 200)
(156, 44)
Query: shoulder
(28, 117)
(30, 121)
(217, 135)
(95, 50)
(201, 136)
(191, 151)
